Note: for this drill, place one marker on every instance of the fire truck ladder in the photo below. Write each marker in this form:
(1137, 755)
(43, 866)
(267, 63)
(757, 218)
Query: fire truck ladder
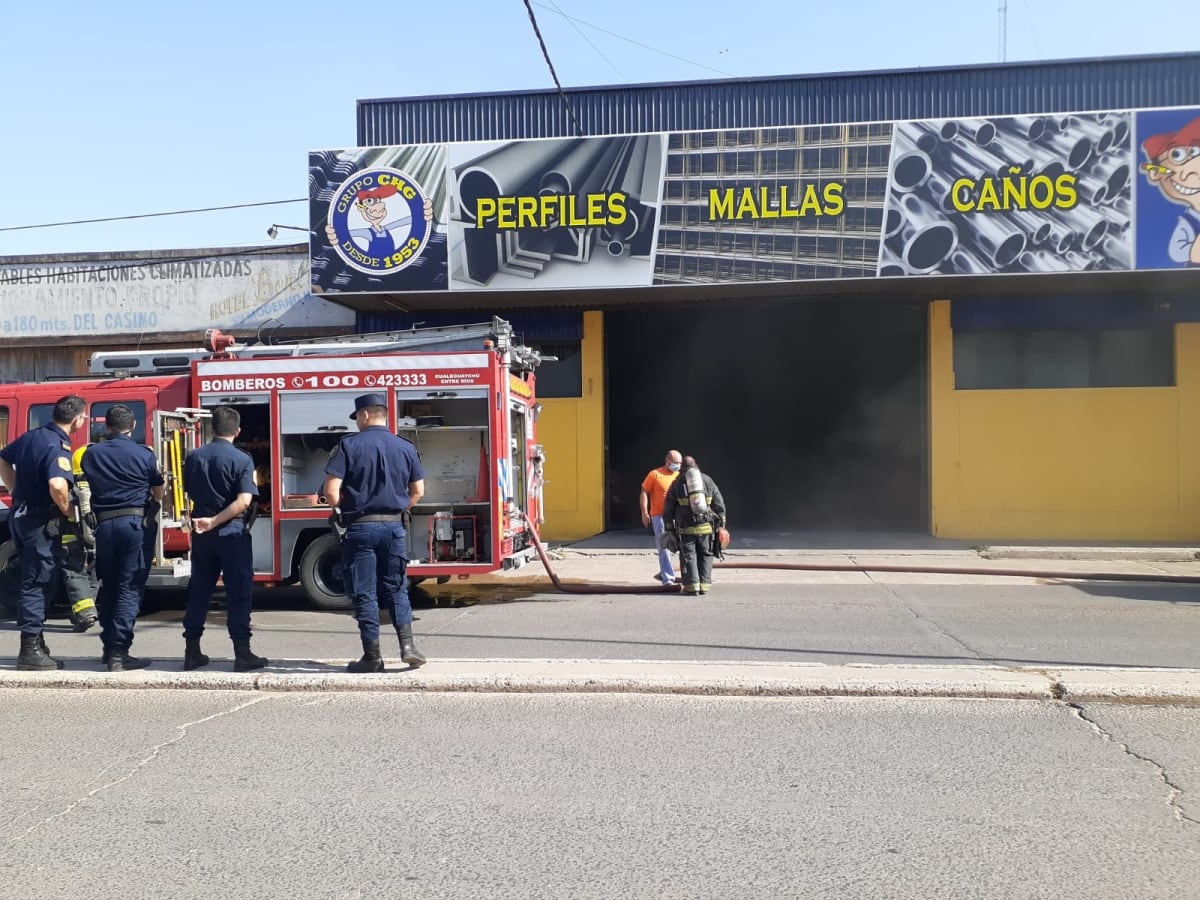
(222, 346)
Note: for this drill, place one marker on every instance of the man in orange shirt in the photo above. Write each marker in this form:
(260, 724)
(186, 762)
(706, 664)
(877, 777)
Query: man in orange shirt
(654, 491)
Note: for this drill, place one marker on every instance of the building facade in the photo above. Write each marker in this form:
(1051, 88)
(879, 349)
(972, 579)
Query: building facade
(959, 301)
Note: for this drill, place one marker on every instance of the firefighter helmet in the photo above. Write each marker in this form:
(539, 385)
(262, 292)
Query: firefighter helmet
(723, 537)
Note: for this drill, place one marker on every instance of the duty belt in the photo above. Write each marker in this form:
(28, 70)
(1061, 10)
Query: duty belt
(378, 517)
(120, 513)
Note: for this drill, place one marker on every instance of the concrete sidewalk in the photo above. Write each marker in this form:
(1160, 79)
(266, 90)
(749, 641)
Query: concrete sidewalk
(627, 558)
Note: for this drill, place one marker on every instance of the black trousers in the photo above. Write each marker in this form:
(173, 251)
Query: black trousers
(695, 561)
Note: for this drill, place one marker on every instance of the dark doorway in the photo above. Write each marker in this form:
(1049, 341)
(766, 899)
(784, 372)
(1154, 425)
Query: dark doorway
(809, 414)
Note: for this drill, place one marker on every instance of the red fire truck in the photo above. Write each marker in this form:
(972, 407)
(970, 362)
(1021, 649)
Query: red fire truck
(465, 395)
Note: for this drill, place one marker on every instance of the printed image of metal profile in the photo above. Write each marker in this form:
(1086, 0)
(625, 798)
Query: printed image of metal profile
(505, 171)
(929, 239)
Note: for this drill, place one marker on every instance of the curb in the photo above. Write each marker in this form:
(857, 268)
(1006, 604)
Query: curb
(709, 679)
(1112, 554)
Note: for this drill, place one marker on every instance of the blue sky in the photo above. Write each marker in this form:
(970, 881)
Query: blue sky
(114, 109)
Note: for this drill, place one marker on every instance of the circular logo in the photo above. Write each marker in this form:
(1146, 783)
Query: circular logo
(377, 221)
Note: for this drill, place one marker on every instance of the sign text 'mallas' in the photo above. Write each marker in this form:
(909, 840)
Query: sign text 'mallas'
(763, 202)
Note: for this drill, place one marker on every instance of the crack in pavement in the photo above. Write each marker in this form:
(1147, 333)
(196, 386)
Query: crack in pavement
(1175, 791)
(890, 589)
(149, 758)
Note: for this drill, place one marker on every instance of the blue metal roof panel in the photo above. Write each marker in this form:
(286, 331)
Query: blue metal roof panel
(1056, 86)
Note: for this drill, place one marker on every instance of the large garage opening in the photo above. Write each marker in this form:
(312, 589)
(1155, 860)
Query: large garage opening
(810, 415)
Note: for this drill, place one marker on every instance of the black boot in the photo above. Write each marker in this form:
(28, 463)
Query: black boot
(192, 657)
(58, 663)
(121, 661)
(244, 660)
(408, 650)
(371, 660)
(33, 657)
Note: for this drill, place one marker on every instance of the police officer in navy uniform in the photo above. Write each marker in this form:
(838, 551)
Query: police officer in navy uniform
(219, 480)
(37, 469)
(123, 476)
(373, 477)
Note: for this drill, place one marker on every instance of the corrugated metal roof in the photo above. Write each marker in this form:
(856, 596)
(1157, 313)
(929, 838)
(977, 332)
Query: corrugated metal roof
(986, 90)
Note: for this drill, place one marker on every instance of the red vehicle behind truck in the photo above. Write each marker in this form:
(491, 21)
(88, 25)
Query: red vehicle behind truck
(465, 395)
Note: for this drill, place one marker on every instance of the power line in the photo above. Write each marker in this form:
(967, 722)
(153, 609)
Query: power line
(175, 212)
(546, 53)
(632, 41)
(589, 40)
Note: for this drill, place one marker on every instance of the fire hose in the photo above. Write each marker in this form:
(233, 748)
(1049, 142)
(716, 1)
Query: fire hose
(593, 588)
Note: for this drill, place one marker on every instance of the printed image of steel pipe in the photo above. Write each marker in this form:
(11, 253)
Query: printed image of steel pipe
(1043, 261)
(964, 262)
(1117, 251)
(980, 131)
(1037, 229)
(932, 238)
(1061, 239)
(1041, 161)
(1027, 128)
(994, 240)
(1091, 225)
(1075, 150)
(918, 136)
(910, 171)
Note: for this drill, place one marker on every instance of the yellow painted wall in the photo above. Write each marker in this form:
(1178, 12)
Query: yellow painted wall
(572, 431)
(1080, 464)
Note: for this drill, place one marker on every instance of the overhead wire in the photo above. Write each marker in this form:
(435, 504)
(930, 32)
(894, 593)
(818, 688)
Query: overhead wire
(690, 62)
(174, 212)
(589, 40)
(546, 53)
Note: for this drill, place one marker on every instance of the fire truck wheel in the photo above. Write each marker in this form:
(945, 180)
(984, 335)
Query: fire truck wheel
(9, 574)
(321, 574)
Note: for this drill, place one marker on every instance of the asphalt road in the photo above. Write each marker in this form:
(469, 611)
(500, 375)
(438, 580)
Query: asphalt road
(182, 794)
(1082, 624)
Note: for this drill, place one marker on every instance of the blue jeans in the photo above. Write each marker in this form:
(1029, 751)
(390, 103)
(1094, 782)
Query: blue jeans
(118, 564)
(665, 568)
(228, 554)
(373, 563)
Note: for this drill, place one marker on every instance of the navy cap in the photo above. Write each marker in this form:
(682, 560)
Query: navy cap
(368, 400)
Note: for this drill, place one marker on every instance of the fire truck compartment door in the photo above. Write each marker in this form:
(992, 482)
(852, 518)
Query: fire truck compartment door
(317, 412)
(175, 435)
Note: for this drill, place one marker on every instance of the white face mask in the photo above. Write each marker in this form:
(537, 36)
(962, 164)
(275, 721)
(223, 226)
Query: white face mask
(674, 467)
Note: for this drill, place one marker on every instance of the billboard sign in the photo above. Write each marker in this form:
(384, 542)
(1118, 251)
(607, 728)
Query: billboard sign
(1100, 191)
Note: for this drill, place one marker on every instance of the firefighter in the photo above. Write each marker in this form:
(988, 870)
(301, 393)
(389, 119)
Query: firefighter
(77, 561)
(36, 468)
(373, 478)
(123, 476)
(219, 479)
(695, 510)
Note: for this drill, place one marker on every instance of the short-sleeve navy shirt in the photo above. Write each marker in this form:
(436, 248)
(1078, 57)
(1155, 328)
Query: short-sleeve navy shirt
(376, 468)
(38, 456)
(120, 473)
(214, 475)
